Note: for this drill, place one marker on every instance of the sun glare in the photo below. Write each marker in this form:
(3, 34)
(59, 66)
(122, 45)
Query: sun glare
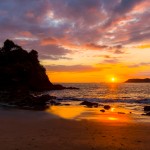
(113, 79)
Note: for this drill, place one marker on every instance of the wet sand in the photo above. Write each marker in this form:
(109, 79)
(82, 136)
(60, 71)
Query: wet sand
(25, 130)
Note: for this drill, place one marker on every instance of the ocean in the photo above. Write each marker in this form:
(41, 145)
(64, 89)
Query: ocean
(128, 98)
(138, 93)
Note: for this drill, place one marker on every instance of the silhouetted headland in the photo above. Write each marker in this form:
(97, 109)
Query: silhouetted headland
(146, 80)
(21, 73)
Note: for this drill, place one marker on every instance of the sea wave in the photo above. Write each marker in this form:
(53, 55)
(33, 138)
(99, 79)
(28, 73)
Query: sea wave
(103, 100)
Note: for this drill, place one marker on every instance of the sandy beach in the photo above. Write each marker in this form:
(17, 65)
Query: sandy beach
(31, 130)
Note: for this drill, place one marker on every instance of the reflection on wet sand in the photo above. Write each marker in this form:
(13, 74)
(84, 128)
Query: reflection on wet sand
(66, 112)
(84, 113)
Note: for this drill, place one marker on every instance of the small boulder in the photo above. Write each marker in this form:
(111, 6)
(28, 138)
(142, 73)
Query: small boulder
(60, 87)
(102, 110)
(52, 102)
(66, 104)
(146, 108)
(45, 97)
(89, 104)
(72, 88)
(107, 107)
(148, 114)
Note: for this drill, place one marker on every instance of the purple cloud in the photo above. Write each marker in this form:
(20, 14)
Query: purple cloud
(94, 24)
(71, 68)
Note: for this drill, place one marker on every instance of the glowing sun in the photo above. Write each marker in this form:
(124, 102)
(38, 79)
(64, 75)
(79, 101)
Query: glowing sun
(113, 79)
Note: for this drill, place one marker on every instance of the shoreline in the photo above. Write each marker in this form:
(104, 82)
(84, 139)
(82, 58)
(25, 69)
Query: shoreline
(72, 110)
(33, 130)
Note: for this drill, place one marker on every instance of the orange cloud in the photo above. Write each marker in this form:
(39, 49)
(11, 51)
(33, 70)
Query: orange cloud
(49, 41)
(142, 6)
(144, 46)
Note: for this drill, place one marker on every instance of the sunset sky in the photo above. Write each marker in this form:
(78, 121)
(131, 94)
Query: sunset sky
(82, 40)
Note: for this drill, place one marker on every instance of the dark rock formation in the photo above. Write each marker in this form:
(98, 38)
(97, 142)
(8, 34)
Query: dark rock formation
(52, 102)
(146, 108)
(60, 87)
(24, 100)
(19, 68)
(146, 80)
(21, 73)
(107, 107)
(89, 104)
(102, 110)
(146, 114)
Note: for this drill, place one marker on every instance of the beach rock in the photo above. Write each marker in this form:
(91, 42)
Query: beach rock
(147, 114)
(52, 102)
(66, 104)
(121, 113)
(45, 97)
(89, 104)
(72, 88)
(22, 69)
(102, 110)
(107, 107)
(57, 104)
(60, 87)
(21, 73)
(24, 100)
(146, 108)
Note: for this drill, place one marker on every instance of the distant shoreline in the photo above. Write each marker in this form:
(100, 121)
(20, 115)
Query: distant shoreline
(146, 80)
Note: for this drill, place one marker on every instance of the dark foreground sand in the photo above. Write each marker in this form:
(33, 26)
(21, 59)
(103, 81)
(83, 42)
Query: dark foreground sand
(27, 131)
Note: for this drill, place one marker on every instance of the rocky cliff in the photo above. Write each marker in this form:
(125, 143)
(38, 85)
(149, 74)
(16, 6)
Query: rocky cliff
(21, 69)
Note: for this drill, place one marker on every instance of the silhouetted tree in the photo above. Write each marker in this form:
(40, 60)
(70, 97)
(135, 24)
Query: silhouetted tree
(10, 46)
(34, 56)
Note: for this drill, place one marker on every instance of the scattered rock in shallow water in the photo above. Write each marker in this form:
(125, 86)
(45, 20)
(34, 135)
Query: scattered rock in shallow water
(89, 104)
(56, 104)
(147, 114)
(24, 100)
(45, 97)
(72, 88)
(66, 104)
(52, 102)
(146, 108)
(102, 110)
(60, 87)
(107, 107)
